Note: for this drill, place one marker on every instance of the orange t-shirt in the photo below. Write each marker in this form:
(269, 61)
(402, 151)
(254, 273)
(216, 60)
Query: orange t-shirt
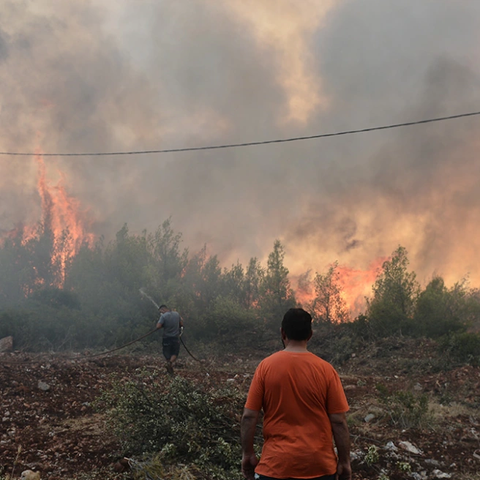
(297, 391)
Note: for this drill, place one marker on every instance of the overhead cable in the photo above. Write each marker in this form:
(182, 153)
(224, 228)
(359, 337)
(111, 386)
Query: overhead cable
(246, 144)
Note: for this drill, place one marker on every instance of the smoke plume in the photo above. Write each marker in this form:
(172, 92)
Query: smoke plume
(115, 76)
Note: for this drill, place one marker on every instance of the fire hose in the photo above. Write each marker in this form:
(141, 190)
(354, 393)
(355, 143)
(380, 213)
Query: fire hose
(137, 339)
(86, 357)
(123, 346)
(142, 291)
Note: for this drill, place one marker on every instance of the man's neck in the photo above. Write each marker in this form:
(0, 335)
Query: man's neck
(296, 346)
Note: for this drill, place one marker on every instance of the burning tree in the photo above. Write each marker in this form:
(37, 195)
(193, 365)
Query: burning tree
(38, 255)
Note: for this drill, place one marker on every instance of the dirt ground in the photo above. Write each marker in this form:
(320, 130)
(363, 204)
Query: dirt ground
(48, 424)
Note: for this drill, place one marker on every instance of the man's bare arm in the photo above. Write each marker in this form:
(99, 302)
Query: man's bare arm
(342, 441)
(247, 428)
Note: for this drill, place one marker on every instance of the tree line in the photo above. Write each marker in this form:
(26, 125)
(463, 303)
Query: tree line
(92, 300)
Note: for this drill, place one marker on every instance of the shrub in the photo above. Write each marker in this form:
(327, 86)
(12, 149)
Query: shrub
(405, 409)
(462, 347)
(181, 419)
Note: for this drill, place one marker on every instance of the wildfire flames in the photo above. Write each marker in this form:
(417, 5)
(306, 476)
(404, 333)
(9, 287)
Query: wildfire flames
(66, 227)
(62, 220)
(355, 285)
(63, 216)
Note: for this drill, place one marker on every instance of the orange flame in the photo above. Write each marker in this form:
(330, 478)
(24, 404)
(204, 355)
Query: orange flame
(356, 284)
(62, 216)
(63, 221)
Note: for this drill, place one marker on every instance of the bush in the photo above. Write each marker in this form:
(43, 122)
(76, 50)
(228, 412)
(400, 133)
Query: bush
(183, 420)
(405, 409)
(229, 325)
(441, 311)
(462, 347)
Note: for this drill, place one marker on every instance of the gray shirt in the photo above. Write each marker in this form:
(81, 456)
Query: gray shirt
(170, 322)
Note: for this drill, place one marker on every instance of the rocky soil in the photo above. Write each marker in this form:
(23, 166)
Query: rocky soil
(48, 423)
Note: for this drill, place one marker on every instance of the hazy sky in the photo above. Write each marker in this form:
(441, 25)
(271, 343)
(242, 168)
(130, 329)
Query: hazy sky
(134, 75)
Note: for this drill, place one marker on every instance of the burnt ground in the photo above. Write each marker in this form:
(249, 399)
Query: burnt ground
(48, 423)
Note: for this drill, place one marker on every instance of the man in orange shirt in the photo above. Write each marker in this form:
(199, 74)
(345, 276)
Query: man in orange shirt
(304, 408)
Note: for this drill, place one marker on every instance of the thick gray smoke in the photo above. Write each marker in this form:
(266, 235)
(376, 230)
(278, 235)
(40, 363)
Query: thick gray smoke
(77, 76)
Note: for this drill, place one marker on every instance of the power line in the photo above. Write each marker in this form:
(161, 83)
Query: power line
(246, 144)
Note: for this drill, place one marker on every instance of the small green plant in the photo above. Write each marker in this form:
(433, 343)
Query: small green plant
(383, 476)
(372, 455)
(404, 467)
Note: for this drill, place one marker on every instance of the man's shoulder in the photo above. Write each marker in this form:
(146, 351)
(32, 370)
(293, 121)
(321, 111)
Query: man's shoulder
(268, 360)
(314, 358)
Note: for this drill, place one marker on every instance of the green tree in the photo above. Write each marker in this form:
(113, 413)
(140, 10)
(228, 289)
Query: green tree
(233, 283)
(201, 281)
(168, 262)
(87, 277)
(17, 274)
(437, 310)
(254, 276)
(394, 296)
(276, 295)
(328, 305)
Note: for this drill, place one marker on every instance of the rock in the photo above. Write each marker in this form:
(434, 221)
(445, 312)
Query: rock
(29, 475)
(410, 448)
(6, 344)
(43, 386)
(419, 476)
(391, 446)
(439, 474)
(357, 455)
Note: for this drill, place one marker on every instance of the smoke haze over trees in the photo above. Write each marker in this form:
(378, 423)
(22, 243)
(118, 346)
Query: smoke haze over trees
(99, 303)
(129, 75)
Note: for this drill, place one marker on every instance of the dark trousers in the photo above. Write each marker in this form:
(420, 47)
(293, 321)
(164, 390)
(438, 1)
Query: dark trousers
(171, 346)
(324, 477)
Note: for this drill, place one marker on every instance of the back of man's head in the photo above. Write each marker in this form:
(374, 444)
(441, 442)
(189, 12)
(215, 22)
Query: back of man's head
(297, 324)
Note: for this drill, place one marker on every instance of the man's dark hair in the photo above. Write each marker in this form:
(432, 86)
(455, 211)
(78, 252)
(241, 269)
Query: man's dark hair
(162, 306)
(297, 324)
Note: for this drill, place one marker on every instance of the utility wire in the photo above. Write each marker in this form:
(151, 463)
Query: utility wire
(246, 144)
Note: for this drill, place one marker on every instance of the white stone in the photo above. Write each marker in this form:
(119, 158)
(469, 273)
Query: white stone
(43, 386)
(29, 475)
(439, 474)
(391, 446)
(410, 448)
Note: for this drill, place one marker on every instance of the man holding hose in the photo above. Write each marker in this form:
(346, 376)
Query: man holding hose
(172, 324)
